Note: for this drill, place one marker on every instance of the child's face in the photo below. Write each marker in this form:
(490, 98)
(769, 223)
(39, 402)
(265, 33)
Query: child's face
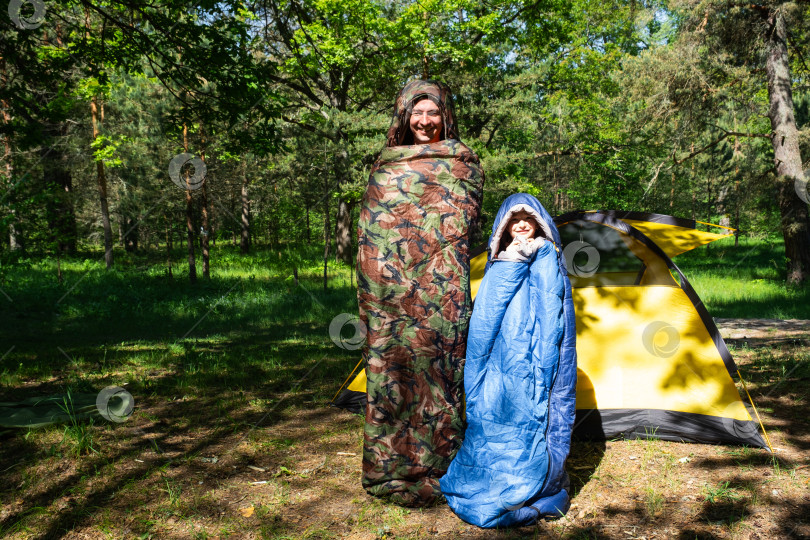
(521, 225)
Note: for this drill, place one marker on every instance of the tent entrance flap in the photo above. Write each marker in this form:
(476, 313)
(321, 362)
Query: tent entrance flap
(353, 397)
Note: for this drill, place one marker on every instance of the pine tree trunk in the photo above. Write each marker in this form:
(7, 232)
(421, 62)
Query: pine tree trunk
(15, 238)
(245, 240)
(786, 152)
(102, 185)
(59, 206)
(206, 224)
(121, 223)
(343, 233)
(736, 155)
(192, 266)
(206, 251)
(326, 231)
(205, 231)
(15, 241)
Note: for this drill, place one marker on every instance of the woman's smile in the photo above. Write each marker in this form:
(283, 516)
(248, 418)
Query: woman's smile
(426, 122)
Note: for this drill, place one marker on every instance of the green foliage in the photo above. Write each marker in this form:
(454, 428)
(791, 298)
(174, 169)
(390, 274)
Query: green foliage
(173, 490)
(738, 281)
(585, 105)
(105, 149)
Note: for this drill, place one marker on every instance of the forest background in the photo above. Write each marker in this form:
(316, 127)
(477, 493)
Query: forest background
(694, 109)
(179, 181)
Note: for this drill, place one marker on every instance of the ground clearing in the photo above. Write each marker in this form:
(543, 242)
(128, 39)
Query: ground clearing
(248, 465)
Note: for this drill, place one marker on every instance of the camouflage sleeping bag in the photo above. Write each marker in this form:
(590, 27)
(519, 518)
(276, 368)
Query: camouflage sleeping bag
(414, 297)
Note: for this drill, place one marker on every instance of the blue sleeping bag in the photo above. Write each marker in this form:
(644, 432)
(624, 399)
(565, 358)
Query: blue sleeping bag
(520, 385)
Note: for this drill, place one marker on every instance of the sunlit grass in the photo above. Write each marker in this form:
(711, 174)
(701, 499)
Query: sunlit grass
(746, 281)
(252, 309)
(250, 314)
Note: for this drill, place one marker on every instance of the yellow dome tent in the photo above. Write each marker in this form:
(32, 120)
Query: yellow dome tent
(651, 362)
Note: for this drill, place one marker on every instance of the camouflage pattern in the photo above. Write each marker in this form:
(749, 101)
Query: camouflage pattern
(414, 296)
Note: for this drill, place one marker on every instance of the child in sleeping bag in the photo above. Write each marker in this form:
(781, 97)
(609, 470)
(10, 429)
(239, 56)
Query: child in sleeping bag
(519, 377)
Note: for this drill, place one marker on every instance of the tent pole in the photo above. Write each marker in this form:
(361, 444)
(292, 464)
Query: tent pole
(751, 401)
(347, 380)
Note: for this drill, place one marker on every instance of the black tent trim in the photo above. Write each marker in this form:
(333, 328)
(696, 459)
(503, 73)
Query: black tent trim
(636, 216)
(350, 400)
(601, 424)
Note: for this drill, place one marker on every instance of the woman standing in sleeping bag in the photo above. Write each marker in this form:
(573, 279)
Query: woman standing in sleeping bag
(413, 279)
(520, 377)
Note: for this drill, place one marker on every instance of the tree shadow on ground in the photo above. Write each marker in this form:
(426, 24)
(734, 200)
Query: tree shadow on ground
(165, 454)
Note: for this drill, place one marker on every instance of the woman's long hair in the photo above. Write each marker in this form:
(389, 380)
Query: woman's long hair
(399, 133)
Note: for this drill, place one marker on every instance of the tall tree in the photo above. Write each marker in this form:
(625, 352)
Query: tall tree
(244, 214)
(748, 44)
(14, 233)
(97, 118)
(785, 139)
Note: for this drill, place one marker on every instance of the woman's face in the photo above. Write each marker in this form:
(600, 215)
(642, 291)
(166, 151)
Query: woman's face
(522, 225)
(426, 122)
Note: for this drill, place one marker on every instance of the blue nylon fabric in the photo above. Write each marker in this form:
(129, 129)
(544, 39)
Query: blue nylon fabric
(520, 385)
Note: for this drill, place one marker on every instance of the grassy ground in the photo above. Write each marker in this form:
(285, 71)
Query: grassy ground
(745, 280)
(230, 436)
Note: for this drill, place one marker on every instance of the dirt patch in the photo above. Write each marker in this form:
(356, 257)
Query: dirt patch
(764, 332)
